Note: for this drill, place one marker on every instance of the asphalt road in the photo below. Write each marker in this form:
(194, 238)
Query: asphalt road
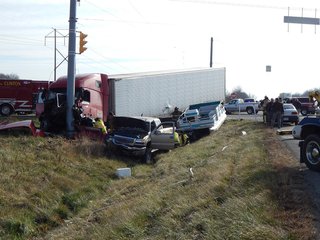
(312, 178)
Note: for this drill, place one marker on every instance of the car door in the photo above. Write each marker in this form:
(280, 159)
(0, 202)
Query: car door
(233, 106)
(163, 136)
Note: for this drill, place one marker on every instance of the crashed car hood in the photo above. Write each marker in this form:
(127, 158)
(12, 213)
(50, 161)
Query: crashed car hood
(130, 127)
(129, 132)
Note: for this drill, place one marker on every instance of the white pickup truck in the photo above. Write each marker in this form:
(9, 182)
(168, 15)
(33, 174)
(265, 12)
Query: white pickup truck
(238, 105)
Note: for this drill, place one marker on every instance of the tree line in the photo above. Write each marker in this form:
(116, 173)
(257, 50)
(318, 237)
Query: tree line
(9, 76)
(242, 94)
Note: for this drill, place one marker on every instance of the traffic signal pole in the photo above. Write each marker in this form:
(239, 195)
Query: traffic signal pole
(71, 68)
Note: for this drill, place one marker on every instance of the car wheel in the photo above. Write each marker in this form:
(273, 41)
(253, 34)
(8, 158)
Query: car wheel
(311, 152)
(250, 110)
(304, 112)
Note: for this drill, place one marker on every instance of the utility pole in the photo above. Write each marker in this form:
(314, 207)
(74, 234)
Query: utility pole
(211, 49)
(56, 34)
(71, 68)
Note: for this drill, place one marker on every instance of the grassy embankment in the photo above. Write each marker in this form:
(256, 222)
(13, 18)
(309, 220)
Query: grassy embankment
(243, 187)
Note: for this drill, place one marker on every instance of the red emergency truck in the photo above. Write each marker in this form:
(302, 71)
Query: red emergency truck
(19, 96)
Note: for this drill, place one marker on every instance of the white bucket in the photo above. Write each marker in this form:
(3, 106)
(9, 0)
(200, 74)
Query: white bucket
(123, 172)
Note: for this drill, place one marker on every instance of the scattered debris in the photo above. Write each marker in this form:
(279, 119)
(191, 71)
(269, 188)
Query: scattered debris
(123, 172)
(191, 173)
(224, 148)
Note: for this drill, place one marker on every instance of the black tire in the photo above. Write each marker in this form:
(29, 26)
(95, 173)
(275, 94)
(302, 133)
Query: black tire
(44, 125)
(6, 110)
(250, 110)
(311, 152)
(304, 112)
(147, 157)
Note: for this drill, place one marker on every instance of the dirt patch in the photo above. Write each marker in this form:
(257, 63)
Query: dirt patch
(296, 197)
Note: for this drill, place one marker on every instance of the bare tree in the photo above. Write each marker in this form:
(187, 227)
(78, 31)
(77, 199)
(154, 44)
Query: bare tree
(239, 93)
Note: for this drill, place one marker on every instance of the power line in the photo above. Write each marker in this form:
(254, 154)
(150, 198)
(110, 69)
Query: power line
(129, 22)
(241, 4)
(106, 11)
(106, 59)
(135, 9)
(21, 40)
(118, 19)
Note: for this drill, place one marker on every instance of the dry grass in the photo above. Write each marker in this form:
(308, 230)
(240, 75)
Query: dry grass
(243, 187)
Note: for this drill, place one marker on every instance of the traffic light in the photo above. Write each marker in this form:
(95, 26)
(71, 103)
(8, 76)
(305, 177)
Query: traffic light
(82, 42)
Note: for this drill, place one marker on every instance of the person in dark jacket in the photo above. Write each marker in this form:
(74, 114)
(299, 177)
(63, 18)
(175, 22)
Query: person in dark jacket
(297, 104)
(277, 113)
(263, 105)
(269, 111)
(110, 122)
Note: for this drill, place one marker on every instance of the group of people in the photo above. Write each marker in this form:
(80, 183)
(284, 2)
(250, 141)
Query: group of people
(272, 111)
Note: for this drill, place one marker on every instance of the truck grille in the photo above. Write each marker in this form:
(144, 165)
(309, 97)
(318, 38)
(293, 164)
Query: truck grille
(124, 140)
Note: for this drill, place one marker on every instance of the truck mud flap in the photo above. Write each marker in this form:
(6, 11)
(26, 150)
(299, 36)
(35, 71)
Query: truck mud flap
(301, 153)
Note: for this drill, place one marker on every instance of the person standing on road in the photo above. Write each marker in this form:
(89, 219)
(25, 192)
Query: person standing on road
(269, 111)
(264, 104)
(297, 104)
(282, 112)
(277, 113)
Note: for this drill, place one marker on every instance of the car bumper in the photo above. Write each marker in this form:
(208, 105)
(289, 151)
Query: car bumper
(290, 119)
(134, 150)
(296, 131)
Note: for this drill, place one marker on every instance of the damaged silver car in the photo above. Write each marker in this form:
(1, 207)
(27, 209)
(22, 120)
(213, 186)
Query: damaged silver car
(141, 136)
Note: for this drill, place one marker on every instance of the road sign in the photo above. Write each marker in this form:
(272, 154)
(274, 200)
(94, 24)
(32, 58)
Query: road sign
(268, 68)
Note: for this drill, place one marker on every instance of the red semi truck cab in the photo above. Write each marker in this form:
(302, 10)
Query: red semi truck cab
(91, 95)
(19, 96)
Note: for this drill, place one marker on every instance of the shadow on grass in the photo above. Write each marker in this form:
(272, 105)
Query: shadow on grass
(287, 189)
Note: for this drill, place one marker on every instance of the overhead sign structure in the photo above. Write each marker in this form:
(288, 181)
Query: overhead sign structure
(302, 20)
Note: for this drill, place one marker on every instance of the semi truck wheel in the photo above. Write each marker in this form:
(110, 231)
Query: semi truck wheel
(250, 110)
(311, 152)
(6, 110)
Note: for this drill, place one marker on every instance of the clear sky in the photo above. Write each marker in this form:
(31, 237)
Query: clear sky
(127, 36)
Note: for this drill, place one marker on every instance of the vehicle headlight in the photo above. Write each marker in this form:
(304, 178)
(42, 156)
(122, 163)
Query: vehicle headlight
(142, 141)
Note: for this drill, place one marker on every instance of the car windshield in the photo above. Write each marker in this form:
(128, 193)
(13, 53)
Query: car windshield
(304, 99)
(288, 107)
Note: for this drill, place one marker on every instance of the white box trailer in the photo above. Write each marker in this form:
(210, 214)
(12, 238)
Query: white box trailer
(157, 93)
